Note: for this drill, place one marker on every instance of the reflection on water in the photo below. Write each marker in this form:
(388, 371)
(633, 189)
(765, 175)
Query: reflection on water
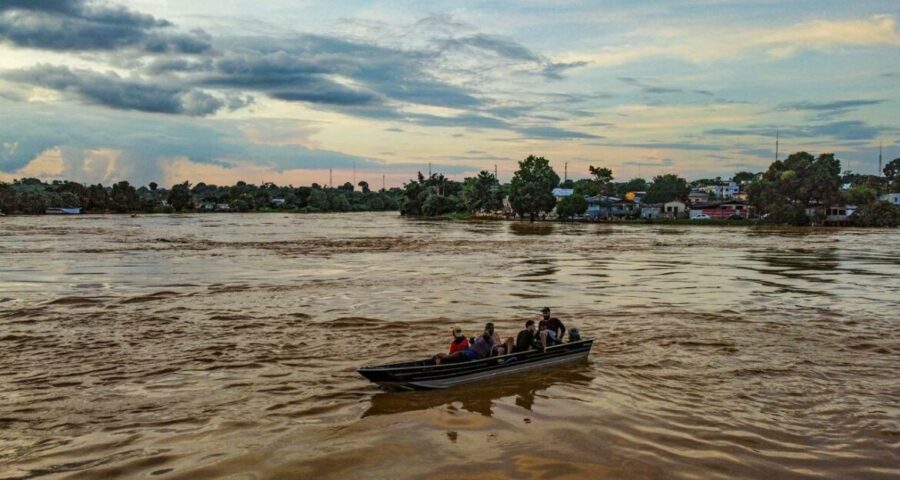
(205, 346)
(480, 397)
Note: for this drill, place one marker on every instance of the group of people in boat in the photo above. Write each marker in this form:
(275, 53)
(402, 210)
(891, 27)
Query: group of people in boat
(549, 331)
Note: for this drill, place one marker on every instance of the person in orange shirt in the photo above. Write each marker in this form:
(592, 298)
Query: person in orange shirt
(460, 343)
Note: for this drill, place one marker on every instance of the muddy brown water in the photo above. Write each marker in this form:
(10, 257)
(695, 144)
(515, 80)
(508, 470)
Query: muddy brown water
(225, 346)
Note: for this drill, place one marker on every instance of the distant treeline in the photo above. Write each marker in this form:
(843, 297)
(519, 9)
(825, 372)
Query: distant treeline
(33, 196)
(798, 190)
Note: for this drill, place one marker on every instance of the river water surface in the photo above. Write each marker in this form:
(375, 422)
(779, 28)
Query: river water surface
(213, 346)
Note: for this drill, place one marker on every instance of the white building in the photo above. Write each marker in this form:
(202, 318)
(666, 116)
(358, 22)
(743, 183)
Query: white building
(723, 190)
(561, 193)
(893, 198)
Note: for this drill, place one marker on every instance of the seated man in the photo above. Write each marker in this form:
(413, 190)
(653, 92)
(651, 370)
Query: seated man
(550, 329)
(526, 339)
(499, 347)
(480, 347)
(459, 343)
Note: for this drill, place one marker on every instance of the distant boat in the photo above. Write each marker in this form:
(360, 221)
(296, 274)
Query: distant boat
(64, 211)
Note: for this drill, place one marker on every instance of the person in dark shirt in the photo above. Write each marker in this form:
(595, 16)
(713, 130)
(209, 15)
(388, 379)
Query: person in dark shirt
(550, 329)
(526, 339)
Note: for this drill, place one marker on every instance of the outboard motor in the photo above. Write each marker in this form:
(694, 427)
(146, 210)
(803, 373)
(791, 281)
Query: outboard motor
(574, 335)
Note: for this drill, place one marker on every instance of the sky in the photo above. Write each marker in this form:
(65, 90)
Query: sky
(282, 91)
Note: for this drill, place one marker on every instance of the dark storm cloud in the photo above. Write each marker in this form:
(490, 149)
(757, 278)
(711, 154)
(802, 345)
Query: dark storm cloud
(80, 25)
(113, 91)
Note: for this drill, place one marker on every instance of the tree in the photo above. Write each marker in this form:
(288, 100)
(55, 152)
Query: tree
(789, 187)
(153, 186)
(438, 204)
(633, 185)
(180, 196)
(124, 198)
(364, 186)
(531, 188)
(666, 188)
(569, 183)
(571, 206)
(482, 193)
(892, 169)
(743, 177)
(877, 214)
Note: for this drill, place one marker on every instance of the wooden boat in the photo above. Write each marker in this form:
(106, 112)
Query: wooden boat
(424, 374)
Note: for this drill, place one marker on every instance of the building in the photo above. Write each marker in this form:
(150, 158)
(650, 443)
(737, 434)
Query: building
(723, 190)
(651, 211)
(697, 196)
(674, 209)
(561, 193)
(599, 207)
(721, 210)
(892, 198)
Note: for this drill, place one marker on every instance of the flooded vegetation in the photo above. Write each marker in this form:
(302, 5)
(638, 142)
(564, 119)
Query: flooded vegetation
(205, 346)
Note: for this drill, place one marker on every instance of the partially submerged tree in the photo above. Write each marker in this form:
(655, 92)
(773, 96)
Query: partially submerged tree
(531, 188)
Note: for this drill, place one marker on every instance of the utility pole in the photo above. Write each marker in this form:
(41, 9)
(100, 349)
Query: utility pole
(879, 172)
(566, 172)
(495, 173)
(330, 179)
(354, 172)
(429, 169)
(382, 182)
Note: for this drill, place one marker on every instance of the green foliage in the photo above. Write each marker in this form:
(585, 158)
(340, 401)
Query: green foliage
(789, 187)
(432, 196)
(438, 204)
(571, 206)
(31, 195)
(892, 169)
(860, 195)
(482, 193)
(877, 214)
(666, 188)
(743, 177)
(600, 184)
(531, 188)
(633, 185)
(180, 196)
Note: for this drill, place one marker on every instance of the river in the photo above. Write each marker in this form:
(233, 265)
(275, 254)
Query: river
(225, 345)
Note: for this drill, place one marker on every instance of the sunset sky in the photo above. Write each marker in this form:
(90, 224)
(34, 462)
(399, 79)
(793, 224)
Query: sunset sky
(281, 91)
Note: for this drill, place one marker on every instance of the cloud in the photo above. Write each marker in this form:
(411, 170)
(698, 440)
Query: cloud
(835, 106)
(553, 133)
(143, 141)
(113, 91)
(842, 130)
(71, 25)
(666, 162)
(667, 146)
(647, 88)
(717, 42)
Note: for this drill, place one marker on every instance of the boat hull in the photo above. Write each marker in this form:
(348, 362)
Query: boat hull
(423, 375)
